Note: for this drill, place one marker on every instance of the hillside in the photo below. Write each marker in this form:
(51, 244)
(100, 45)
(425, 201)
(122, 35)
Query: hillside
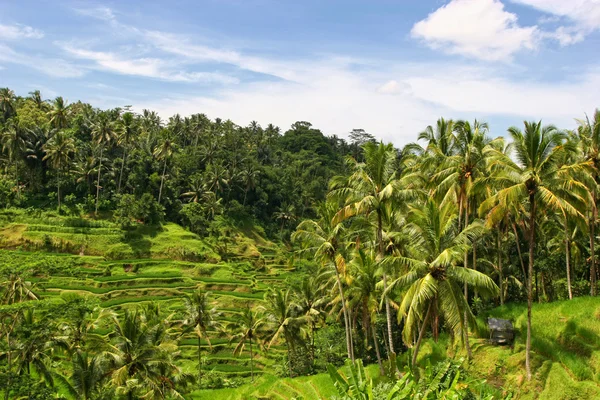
(566, 353)
(566, 344)
(124, 269)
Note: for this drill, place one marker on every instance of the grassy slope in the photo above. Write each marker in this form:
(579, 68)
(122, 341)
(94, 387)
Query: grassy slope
(566, 359)
(565, 349)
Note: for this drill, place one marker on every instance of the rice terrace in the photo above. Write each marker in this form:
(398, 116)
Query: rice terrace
(276, 200)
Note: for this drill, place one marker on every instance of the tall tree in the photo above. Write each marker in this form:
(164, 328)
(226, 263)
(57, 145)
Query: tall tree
(59, 113)
(58, 152)
(372, 186)
(104, 133)
(244, 331)
(163, 153)
(200, 317)
(324, 239)
(127, 131)
(589, 140)
(537, 177)
(434, 280)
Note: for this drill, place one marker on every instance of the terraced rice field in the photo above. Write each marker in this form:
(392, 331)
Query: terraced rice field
(160, 274)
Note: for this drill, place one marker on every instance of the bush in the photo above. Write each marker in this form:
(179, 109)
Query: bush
(145, 210)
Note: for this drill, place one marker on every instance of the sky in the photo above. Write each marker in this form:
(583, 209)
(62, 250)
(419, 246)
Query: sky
(391, 67)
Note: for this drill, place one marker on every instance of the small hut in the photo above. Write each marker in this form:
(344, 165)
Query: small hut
(501, 331)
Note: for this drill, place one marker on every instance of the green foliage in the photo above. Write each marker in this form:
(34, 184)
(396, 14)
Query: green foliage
(145, 210)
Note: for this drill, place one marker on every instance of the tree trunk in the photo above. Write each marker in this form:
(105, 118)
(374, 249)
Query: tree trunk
(466, 261)
(592, 252)
(58, 189)
(122, 167)
(162, 180)
(251, 361)
(345, 311)
(421, 334)
(388, 312)
(530, 284)
(199, 360)
(374, 333)
(514, 226)
(500, 274)
(17, 179)
(568, 258)
(98, 182)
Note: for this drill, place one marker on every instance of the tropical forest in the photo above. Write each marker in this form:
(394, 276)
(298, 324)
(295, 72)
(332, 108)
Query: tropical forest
(195, 258)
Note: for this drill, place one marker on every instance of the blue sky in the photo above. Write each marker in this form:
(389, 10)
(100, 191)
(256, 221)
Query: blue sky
(390, 67)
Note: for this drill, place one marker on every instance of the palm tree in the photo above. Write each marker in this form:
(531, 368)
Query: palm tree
(142, 357)
(104, 132)
(458, 173)
(324, 239)
(434, 281)
(198, 189)
(244, 330)
(589, 140)
(248, 176)
(127, 131)
(283, 316)
(364, 294)
(310, 300)
(36, 97)
(88, 372)
(371, 188)
(16, 289)
(163, 152)
(13, 143)
(7, 103)
(59, 113)
(200, 317)
(58, 151)
(440, 140)
(537, 177)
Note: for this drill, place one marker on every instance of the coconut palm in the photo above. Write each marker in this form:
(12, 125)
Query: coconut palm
(13, 143)
(310, 299)
(434, 281)
(127, 131)
(589, 141)
(244, 329)
(324, 239)
(58, 152)
(104, 132)
(200, 317)
(36, 97)
(163, 153)
(141, 356)
(371, 188)
(535, 177)
(364, 295)
(7, 103)
(59, 113)
(285, 321)
(87, 376)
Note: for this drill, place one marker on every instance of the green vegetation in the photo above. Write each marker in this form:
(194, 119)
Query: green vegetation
(197, 258)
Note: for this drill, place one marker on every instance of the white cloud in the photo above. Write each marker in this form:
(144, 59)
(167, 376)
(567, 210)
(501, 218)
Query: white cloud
(475, 28)
(18, 31)
(583, 14)
(183, 46)
(101, 13)
(407, 99)
(394, 87)
(54, 67)
(144, 66)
